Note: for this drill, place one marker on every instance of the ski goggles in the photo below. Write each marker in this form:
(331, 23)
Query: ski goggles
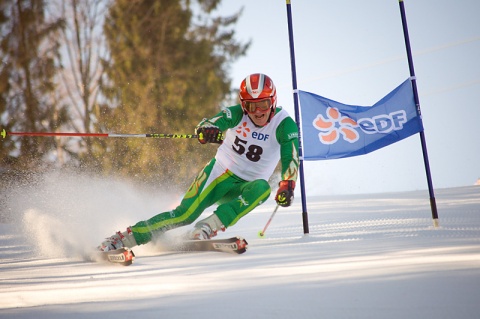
(252, 105)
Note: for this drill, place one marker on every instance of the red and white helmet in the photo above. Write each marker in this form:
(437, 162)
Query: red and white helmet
(258, 87)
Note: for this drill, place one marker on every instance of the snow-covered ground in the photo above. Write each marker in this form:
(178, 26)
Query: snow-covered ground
(367, 256)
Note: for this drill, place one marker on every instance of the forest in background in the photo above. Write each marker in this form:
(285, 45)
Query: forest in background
(113, 66)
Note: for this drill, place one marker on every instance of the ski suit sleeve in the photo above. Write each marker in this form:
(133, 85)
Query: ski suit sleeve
(225, 119)
(287, 136)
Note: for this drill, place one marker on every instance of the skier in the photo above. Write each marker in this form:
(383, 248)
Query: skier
(257, 135)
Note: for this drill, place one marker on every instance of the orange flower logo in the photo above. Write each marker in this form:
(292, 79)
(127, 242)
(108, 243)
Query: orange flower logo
(243, 129)
(334, 126)
(193, 190)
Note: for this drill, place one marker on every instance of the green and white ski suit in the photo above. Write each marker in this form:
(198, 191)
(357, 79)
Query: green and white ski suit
(236, 179)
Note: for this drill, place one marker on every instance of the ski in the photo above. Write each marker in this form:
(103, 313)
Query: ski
(125, 257)
(233, 245)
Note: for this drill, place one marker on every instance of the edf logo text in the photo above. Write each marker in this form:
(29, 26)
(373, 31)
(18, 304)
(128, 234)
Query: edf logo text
(383, 123)
(260, 136)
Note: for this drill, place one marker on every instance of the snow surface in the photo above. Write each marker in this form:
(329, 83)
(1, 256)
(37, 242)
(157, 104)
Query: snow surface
(366, 256)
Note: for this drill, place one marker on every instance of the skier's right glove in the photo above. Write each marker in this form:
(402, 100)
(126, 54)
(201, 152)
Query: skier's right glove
(285, 192)
(208, 133)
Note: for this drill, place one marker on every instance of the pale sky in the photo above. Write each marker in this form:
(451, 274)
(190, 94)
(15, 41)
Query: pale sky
(354, 52)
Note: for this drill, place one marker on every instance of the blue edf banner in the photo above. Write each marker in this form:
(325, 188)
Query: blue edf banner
(332, 130)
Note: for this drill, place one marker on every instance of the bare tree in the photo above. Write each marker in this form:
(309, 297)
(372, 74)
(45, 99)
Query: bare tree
(83, 49)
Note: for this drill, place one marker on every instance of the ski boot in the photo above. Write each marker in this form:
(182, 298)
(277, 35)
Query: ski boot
(119, 240)
(206, 228)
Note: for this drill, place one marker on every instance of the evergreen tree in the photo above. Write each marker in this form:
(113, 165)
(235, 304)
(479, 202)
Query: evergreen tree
(166, 73)
(26, 79)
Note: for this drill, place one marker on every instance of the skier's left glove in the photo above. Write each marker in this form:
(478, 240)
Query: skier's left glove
(208, 133)
(285, 192)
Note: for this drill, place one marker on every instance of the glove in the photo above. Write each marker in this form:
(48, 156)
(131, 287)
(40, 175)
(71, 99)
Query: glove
(284, 195)
(208, 133)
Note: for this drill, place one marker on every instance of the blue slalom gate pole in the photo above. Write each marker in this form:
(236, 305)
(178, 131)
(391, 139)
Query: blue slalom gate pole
(433, 203)
(297, 118)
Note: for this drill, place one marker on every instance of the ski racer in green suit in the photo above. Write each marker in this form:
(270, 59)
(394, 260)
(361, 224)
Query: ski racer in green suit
(253, 136)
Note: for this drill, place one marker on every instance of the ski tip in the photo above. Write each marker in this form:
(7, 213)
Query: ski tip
(124, 258)
(241, 246)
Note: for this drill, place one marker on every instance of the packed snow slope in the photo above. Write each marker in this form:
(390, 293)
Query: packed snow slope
(366, 256)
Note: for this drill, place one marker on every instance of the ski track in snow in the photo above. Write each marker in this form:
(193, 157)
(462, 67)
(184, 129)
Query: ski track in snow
(366, 256)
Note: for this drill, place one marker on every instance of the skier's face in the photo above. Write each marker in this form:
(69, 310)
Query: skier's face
(258, 110)
(260, 118)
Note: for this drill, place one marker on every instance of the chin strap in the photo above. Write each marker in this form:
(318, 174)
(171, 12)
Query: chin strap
(272, 114)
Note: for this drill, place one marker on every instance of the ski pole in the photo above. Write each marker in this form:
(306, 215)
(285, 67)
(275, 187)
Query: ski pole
(4, 134)
(262, 232)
